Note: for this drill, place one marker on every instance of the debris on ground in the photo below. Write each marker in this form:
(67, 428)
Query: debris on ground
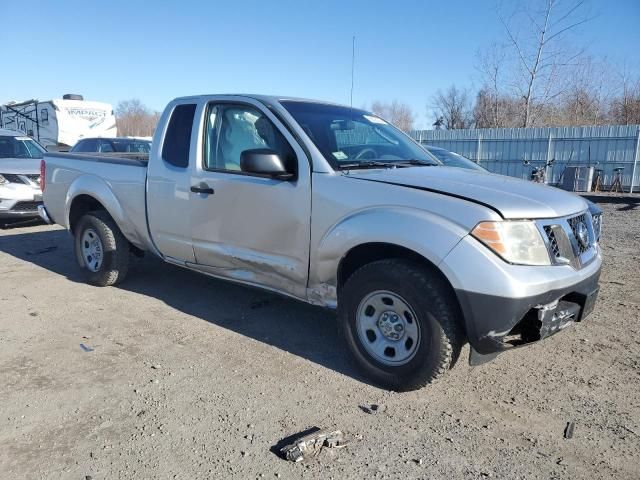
(310, 445)
(371, 409)
(85, 348)
(568, 430)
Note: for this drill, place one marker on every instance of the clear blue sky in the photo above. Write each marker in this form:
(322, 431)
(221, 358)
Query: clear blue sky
(156, 50)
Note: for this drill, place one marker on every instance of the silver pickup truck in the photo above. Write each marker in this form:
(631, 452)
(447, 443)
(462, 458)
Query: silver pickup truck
(334, 206)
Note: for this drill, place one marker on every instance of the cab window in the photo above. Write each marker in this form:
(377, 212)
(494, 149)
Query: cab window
(231, 129)
(106, 146)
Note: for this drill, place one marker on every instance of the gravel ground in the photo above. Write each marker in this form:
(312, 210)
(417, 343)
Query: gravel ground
(183, 376)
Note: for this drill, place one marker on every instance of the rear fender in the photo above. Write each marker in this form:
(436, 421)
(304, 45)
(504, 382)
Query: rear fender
(98, 189)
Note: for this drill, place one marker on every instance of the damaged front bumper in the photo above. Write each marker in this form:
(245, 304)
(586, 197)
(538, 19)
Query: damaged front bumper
(507, 306)
(495, 324)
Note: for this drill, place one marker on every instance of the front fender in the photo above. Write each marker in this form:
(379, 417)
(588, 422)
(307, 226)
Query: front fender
(98, 189)
(425, 233)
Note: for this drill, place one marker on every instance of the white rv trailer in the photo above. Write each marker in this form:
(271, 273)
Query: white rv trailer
(60, 123)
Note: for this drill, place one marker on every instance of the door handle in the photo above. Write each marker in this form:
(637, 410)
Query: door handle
(202, 189)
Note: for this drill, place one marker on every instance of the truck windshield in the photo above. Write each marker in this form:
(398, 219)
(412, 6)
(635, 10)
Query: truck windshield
(349, 138)
(19, 147)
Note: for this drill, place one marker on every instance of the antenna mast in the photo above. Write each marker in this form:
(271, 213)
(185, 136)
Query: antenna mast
(353, 61)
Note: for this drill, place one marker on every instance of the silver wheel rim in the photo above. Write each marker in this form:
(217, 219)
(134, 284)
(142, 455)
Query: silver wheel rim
(92, 251)
(388, 328)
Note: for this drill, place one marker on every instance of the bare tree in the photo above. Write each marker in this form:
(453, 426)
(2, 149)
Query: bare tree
(134, 119)
(453, 107)
(586, 95)
(399, 114)
(538, 37)
(487, 111)
(625, 107)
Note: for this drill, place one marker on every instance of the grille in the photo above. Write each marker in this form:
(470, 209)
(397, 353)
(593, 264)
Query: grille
(34, 178)
(12, 178)
(26, 207)
(553, 241)
(573, 223)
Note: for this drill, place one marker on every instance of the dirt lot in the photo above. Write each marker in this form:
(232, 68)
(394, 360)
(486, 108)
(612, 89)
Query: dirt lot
(190, 377)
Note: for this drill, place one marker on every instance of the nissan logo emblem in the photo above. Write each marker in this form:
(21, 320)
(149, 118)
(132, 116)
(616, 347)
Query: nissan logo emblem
(583, 234)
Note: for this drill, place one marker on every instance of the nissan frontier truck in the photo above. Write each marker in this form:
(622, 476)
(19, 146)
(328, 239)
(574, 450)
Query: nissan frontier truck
(334, 206)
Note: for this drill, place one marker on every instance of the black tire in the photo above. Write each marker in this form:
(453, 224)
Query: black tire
(115, 262)
(437, 311)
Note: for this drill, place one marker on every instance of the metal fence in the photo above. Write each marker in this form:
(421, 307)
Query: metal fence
(505, 150)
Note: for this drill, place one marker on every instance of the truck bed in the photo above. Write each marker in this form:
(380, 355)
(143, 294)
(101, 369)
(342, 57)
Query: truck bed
(117, 179)
(138, 159)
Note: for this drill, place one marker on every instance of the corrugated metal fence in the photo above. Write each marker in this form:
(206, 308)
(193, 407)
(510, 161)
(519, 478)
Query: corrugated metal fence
(504, 150)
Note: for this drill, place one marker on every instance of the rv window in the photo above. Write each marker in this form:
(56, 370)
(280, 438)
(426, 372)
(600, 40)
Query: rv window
(44, 115)
(175, 149)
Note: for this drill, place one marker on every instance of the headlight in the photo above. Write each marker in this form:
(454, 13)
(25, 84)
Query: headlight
(515, 241)
(596, 218)
(597, 226)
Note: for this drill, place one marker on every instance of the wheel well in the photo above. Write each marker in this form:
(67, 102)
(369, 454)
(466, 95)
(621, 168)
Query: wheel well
(370, 252)
(81, 205)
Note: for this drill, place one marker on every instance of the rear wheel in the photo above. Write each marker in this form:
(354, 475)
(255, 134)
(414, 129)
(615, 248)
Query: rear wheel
(101, 249)
(399, 321)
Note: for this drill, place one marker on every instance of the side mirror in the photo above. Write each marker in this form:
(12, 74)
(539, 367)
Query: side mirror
(264, 161)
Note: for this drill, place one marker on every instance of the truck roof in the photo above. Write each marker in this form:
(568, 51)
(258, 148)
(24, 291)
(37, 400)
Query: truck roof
(263, 98)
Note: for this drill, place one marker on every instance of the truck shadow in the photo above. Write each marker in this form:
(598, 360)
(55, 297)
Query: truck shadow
(303, 330)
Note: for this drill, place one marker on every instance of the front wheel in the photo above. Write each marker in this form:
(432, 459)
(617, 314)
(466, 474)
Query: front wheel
(400, 322)
(101, 249)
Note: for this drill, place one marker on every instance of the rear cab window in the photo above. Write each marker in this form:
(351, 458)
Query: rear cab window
(86, 146)
(177, 140)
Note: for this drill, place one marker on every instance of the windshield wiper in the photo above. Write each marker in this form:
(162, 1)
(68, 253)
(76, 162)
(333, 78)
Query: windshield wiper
(368, 164)
(415, 161)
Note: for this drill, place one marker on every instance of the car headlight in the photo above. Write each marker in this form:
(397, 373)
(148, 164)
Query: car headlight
(596, 218)
(597, 225)
(517, 242)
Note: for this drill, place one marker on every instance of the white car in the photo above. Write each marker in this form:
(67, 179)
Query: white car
(20, 192)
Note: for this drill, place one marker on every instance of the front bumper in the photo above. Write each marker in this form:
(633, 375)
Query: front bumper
(506, 306)
(27, 209)
(19, 201)
(496, 323)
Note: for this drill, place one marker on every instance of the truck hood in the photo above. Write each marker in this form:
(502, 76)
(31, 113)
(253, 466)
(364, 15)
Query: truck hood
(20, 166)
(511, 197)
